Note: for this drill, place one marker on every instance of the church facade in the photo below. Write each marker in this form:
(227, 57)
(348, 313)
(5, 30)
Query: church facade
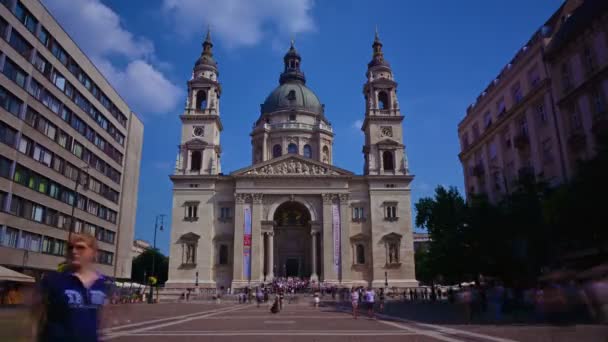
(291, 212)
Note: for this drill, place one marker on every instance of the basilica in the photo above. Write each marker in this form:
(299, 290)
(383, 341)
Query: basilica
(292, 212)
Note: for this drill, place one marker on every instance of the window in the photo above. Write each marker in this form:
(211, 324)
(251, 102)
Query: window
(388, 163)
(291, 96)
(196, 161)
(292, 117)
(191, 213)
(392, 252)
(523, 126)
(383, 102)
(390, 212)
(487, 119)
(53, 246)
(358, 214)
(42, 155)
(8, 135)
(547, 151)
(492, 151)
(475, 132)
(20, 44)
(575, 120)
(500, 106)
(292, 148)
(598, 102)
(43, 36)
(10, 102)
(25, 145)
(276, 151)
(37, 213)
(517, 93)
(92, 207)
(225, 213)
(307, 151)
(5, 170)
(10, 237)
(42, 64)
(59, 53)
(14, 72)
(542, 114)
(46, 128)
(588, 59)
(566, 79)
(77, 149)
(104, 257)
(360, 254)
(223, 255)
(3, 23)
(189, 252)
(534, 77)
(58, 80)
(64, 140)
(201, 99)
(25, 17)
(17, 205)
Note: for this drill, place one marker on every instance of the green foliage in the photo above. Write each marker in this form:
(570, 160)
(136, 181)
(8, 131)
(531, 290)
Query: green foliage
(142, 267)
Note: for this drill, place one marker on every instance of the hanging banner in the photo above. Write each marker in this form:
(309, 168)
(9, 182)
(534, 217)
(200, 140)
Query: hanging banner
(247, 241)
(335, 213)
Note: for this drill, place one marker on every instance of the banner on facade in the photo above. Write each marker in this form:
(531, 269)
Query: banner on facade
(335, 213)
(247, 241)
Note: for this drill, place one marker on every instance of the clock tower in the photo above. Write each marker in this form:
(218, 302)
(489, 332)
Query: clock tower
(384, 151)
(199, 151)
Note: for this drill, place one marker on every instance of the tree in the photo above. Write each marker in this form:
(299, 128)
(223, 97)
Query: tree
(142, 264)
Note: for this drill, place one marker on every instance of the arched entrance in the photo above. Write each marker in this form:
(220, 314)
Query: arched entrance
(292, 246)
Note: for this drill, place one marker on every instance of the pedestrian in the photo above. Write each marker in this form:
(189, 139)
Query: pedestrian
(316, 299)
(354, 301)
(275, 305)
(258, 296)
(67, 304)
(369, 301)
(281, 296)
(381, 298)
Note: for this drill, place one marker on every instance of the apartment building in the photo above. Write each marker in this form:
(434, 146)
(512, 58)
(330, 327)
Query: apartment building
(70, 148)
(517, 126)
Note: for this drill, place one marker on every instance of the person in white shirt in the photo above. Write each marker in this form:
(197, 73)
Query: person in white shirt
(354, 300)
(370, 297)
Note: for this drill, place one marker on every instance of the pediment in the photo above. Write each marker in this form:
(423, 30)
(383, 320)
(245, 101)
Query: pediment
(291, 165)
(392, 237)
(189, 237)
(389, 142)
(196, 142)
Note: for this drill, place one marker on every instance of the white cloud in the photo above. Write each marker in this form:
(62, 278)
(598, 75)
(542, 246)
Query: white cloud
(242, 22)
(97, 29)
(356, 126)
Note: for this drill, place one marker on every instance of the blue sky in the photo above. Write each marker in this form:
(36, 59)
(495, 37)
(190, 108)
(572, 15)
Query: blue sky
(443, 54)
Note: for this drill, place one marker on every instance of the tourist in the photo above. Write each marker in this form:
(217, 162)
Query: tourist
(259, 296)
(369, 301)
(316, 299)
(67, 306)
(381, 299)
(354, 300)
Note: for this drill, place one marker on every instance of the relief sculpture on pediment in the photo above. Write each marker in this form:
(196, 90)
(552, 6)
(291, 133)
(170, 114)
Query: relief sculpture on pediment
(292, 167)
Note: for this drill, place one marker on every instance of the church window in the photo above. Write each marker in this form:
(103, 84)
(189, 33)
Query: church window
(291, 95)
(360, 253)
(325, 154)
(276, 151)
(387, 161)
(196, 161)
(292, 117)
(307, 151)
(383, 101)
(201, 100)
(225, 213)
(223, 255)
(358, 214)
(390, 211)
(191, 211)
(292, 148)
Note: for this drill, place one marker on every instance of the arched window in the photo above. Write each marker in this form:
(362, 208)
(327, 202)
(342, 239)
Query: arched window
(276, 151)
(292, 148)
(383, 101)
(360, 252)
(387, 161)
(325, 154)
(307, 151)
(196, 161)
(201, 100)
(223, 255)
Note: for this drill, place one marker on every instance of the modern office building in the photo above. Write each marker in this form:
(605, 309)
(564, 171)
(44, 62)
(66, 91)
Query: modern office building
(537, 116)
(70, 148)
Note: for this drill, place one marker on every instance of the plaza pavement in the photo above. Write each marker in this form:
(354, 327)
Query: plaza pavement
(301, 322)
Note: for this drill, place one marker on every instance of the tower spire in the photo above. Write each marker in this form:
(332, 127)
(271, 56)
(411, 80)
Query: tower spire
(206, 58)
(292, 72)
(378, 55)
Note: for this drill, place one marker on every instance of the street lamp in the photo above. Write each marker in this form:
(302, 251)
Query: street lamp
(162, 217)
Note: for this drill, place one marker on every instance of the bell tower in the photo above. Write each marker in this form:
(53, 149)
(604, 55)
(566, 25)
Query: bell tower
(384, 151)
(199, 150)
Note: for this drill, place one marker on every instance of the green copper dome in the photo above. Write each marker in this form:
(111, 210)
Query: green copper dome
(292, 95)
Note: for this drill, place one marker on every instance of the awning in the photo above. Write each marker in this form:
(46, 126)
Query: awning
(10, 275)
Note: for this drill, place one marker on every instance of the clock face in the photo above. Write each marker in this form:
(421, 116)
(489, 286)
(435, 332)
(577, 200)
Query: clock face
(387, 131)
(198, 131)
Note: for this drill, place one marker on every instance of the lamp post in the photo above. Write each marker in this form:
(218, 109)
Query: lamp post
(75, 201)
(386, 280)
(162, 217)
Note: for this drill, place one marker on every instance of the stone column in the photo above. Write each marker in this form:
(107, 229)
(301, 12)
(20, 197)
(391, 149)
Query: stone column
(238, 278)
(329, 272)
(345, 258)
(270, 251)
(257, 244)
(314, 276)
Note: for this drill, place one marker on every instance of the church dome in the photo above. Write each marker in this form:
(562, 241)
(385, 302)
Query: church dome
(292, 95)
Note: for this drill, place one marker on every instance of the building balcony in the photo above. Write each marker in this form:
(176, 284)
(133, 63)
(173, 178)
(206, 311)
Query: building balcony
(299, 125)
(577, 140)
(521, 141)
